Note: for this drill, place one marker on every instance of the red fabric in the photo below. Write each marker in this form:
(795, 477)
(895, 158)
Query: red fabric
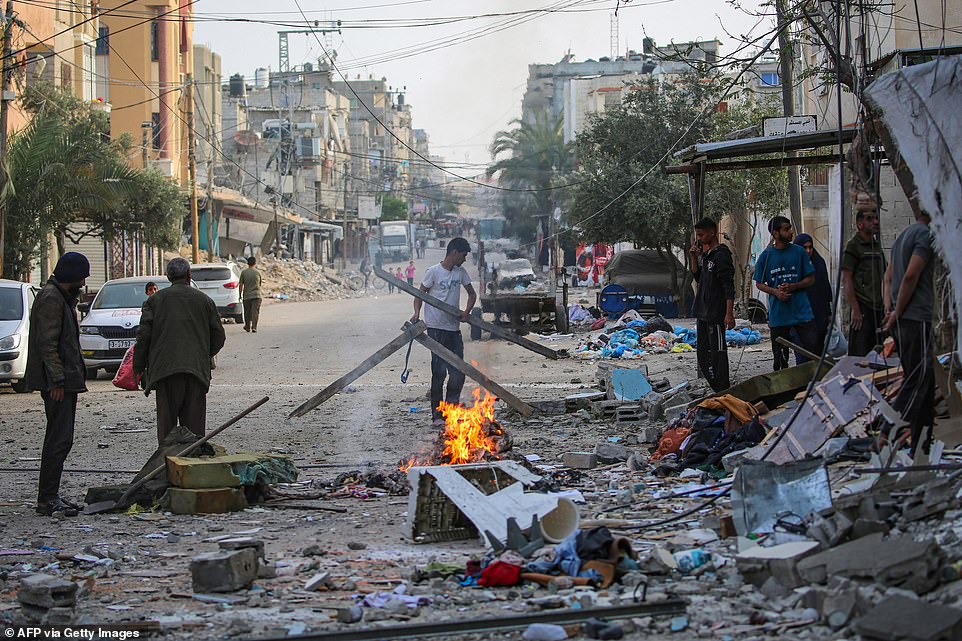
(500, 574)
(598, 324)
(670, 442)
(126, 378)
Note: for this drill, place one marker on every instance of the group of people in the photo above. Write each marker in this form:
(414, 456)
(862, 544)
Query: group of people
(407, 274)
(179, 334)
(894, 297)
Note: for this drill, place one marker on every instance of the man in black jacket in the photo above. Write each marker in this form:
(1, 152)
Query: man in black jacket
(55, 367)
(714, 271)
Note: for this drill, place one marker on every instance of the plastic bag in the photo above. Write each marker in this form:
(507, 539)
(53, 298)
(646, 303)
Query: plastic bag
(837, 344)
(125, 377)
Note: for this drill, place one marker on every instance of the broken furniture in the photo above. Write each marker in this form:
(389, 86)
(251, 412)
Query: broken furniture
(453, 502)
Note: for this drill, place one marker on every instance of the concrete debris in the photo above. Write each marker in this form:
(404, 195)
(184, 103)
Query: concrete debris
(580, 460)
(46, 591)
(758, 564)
(226, 571)
(900, 618)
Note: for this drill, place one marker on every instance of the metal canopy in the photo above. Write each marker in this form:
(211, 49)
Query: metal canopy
(764, 145)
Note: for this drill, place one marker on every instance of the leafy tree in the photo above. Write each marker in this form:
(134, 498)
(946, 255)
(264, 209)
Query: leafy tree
(393, 209)
(67, 178)
(537, 159)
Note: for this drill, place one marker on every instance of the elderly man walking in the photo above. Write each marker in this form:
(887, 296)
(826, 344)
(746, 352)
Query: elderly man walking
(179, 334)
(55, 366)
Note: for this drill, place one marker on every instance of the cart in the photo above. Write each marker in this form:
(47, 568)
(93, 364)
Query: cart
(523, 313)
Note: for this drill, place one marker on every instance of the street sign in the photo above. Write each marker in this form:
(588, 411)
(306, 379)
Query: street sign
(786, 126)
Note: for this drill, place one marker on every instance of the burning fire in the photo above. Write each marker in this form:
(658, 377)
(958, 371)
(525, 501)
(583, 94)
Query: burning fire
(471, 434)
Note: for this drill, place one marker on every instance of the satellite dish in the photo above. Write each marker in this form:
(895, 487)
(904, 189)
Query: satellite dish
(246, 138)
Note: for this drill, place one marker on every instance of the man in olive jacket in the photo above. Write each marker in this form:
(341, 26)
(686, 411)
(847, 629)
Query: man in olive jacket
(55, 367)
(179, 334)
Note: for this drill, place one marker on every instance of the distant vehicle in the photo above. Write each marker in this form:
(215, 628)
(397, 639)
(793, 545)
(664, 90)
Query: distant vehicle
(110, 323)
(490, 228)
(641, 279)
(395, 241)
(515, 273)
(220, 281)
(16, 299)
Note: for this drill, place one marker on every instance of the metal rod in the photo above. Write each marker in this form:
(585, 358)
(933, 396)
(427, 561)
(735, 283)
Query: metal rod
(947, 467)
(781, 340)
(71, 470)
(472, 626)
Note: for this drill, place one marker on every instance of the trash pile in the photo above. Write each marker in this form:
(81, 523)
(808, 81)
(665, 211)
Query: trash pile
(633, 336)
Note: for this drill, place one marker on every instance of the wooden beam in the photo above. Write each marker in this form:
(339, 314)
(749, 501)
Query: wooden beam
(501, 332)
(413, 331)
(474, 373)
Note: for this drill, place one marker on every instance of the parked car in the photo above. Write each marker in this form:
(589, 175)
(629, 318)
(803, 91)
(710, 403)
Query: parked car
(220, 281)
(110, 322)
(16, 299)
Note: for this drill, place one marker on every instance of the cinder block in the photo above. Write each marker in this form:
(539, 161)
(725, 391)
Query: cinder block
(213, 501)
(580, 460)
(47, 591)
(611, 453)
(758, 564)
(650, 434)
(226, 571)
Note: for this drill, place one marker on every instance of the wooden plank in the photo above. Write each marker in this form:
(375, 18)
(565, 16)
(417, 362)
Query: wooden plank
(469, 370)
(498, 331)
(413, 331)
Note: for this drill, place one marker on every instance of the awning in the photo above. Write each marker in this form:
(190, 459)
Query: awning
(765, 145)
(317, 226)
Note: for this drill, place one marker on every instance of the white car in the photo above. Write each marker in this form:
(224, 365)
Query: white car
(16, 299)
(220, 281)
(110, 323)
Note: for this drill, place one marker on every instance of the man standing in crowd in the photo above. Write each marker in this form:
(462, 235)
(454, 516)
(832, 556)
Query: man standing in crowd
(783, 271)
(444, 281)
(250, 293)
(179, 334)
(714, 271)
(909, 298)
(863, 267)
(820, 293)
(55, 367)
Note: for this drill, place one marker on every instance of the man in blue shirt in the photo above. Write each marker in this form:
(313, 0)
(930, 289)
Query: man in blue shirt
(782, 271)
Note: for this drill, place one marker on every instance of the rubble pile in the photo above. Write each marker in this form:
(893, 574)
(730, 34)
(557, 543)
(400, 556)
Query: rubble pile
(296, 280)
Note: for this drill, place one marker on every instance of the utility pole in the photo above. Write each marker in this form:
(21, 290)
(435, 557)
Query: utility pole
(786, 56)
(7, 95)
(210, 207)
(344, 233)
(277, 229)
(192, 173)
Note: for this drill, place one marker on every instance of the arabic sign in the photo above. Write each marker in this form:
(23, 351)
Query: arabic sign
(786, 126)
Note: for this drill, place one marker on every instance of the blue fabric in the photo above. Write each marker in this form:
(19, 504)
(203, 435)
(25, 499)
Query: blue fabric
(742, 337)
(789, 265)
(686, 335)
(566, 560)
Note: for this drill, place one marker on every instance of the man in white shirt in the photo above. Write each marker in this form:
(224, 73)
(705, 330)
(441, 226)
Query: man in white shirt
(444, 281)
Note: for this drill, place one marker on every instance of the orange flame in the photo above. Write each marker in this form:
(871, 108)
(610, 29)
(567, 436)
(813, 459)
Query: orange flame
(466, 432)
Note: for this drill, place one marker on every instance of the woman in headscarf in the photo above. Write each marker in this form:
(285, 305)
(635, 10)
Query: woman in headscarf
(819, 294)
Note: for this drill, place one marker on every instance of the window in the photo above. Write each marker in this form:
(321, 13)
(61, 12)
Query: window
(770, 79)
(154, 45)
(103, 42)
(155, 133)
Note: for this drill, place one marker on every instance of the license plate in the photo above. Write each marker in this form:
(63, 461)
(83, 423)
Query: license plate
(119, 344)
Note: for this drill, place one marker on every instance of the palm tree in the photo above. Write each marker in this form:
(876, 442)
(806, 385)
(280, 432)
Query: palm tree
(537, 156)
(59, 172)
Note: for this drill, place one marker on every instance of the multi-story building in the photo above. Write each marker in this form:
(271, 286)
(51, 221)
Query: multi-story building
(146, 51)
(208, 110)
(574, 90)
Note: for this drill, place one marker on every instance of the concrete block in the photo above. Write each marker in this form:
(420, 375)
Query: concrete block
(351, 614)
(580, 460)
(47, 591)
(212, 501)
(897, 561)
(226, 571)
(758, 564)
(201, 473)
(241, 543)
(649, 434)
(629, 413)
(900, 618)
(611, 453)
(318, 581)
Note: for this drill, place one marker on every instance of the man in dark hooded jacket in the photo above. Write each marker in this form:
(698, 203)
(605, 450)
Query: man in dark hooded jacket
(55, 367)
(179, 334)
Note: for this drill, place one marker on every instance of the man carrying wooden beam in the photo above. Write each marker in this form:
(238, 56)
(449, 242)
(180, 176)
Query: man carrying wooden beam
(444, 281)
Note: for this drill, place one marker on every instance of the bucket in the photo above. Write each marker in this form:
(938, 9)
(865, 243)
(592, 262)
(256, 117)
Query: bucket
(560, 522)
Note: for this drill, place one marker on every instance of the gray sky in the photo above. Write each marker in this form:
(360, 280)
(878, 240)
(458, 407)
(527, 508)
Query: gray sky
(461, 94)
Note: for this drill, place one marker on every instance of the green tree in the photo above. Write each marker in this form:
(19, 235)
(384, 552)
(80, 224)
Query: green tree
(536, 161)
(66, 178)
(393, 209)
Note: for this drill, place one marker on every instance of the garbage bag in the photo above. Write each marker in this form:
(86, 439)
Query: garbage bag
(126, 378)
(837, 345)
